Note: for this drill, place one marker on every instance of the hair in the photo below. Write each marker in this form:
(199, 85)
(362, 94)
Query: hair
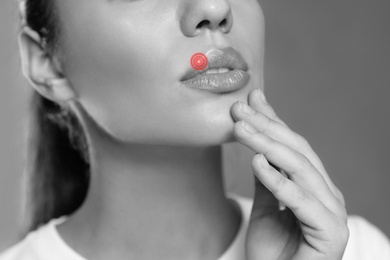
(57, 167)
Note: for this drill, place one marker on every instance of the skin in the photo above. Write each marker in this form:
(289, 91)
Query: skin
(155, 145)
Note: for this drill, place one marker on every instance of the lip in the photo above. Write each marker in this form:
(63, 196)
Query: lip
(219, 82)
(227, 57)
(234, 79)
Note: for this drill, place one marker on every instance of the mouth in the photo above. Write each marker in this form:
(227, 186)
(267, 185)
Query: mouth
(220, 61)
(226, 72)
(215, 71)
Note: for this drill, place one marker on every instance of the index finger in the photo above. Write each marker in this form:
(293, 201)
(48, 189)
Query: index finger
(257, 100)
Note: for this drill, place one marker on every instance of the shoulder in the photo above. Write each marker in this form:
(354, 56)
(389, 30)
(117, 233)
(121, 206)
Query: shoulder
(39, 244)
(366, 241)
(22, 250)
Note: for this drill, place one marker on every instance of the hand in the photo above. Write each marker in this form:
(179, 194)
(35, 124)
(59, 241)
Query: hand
(314, 224)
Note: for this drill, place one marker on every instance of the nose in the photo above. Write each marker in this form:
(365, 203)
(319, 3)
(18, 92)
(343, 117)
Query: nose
(199, 15)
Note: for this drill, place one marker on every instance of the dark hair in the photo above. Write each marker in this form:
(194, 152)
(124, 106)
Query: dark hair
(57, 164)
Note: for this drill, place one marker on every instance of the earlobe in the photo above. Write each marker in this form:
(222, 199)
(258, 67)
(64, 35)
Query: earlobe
(60, 90)
(40, 70)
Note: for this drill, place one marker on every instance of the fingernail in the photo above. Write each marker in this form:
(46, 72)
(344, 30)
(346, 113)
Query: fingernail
(248, 127)
(246, 109)
(261, 95)
(281, 206)
(264, 162)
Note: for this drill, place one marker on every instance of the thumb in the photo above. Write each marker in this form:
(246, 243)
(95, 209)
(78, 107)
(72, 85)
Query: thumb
(264, 201)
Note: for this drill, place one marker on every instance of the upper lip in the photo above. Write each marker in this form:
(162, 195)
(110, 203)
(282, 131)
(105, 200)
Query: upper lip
(227, 57)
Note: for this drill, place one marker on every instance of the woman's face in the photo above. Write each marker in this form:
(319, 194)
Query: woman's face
(125, 59)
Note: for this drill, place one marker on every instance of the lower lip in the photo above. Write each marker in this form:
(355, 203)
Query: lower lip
(219, 82)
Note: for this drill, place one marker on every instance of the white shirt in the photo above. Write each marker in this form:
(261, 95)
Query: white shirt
(366, 241)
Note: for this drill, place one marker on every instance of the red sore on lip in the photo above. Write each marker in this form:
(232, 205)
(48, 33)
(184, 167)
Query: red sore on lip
(199, 61)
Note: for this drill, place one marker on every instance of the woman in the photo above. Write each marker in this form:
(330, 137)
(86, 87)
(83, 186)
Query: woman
(125, 159)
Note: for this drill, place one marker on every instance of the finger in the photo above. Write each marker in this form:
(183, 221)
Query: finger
(264, 202)
(279, 132)
(270, 127)
(297, 166)
(257, 100)
(262, 106)
(281, 205)
(306, 207)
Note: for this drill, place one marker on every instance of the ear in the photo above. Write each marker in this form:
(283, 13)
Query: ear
(40, 70)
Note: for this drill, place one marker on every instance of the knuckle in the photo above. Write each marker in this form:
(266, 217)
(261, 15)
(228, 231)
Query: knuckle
(303, 166)
(237, 133)
(267, 123)
(303, 143)
(269, 126)
(301, 199)
(303, 140)
(305, 163)
(340, 196)
(268, 143)
(302, 196)
(281, 122)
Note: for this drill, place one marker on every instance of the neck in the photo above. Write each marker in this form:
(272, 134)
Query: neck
(153, 201)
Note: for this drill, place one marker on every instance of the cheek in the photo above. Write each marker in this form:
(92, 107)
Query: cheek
(125, 83)
(115, 69)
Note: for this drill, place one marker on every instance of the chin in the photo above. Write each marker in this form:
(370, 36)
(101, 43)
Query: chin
(197, 137)
(211, 136)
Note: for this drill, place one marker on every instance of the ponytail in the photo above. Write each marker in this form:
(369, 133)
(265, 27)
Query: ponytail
(57, 163)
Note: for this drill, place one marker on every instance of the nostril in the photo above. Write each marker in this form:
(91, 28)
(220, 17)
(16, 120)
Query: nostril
(203, 23)
(223, 23)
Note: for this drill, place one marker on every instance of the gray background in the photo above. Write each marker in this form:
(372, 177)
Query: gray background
(327, 75)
